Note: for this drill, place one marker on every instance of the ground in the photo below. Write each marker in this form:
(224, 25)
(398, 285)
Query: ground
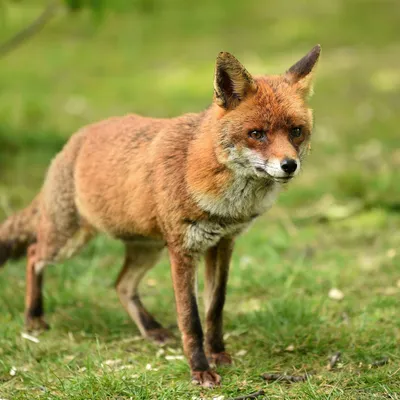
(336, 227)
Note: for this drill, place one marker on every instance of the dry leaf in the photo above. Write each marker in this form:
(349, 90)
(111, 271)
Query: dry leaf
(30, 337)
(122, 367)
(171, 358)
(112, 362)
(160, 353)
(389, 291)
(391, 253)
(151, 282)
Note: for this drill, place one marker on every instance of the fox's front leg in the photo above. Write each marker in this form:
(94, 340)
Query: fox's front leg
(184, 276)
(217, 270)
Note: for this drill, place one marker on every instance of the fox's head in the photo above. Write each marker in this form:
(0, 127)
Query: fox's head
(264, 123)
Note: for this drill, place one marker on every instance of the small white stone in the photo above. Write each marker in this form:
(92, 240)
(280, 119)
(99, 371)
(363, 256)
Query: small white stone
(13, 371)
(149, 367)
(336, 294)
(241, 353)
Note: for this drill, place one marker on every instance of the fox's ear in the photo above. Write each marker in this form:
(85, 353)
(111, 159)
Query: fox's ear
(232, 83)
(301, 73)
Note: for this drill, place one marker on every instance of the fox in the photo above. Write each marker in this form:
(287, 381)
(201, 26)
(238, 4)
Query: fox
(191, 184)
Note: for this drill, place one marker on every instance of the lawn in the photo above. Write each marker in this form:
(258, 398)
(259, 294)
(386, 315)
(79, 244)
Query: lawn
(336, 227)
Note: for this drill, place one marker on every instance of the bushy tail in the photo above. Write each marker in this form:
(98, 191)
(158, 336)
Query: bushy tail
(18, 231)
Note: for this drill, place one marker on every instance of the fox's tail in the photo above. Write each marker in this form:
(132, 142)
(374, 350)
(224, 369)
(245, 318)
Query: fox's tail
(18, 231)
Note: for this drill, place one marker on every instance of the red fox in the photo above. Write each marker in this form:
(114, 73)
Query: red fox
(191, 184)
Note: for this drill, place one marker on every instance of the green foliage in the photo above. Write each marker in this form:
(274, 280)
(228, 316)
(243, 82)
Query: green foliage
(77, 5)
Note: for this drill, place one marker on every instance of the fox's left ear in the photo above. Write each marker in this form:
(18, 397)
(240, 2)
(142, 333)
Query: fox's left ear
(301, 73)
(232, 82)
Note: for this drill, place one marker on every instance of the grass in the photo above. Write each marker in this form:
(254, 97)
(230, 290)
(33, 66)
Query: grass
(337, 226)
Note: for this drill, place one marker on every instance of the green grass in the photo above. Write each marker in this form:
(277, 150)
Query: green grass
(337, 226)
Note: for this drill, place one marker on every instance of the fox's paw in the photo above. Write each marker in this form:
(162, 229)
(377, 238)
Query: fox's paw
(36, 324)
(160, 335)
(221, 358)
(207, 379)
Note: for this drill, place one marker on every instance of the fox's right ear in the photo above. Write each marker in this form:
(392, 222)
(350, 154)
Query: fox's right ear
(302, 72)
(232, 82)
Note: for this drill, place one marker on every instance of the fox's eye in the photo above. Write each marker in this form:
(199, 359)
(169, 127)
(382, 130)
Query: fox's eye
(296, 132)
(257, 135)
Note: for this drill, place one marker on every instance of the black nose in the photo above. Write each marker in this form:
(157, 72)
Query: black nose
(289, 165)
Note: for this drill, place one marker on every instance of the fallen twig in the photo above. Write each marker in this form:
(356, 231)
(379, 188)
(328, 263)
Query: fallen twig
(249, 396)
(333, 361)
(285, 378)
(379, 363)
(26, 33)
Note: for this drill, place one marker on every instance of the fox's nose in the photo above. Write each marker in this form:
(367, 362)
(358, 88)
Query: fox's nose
(289, 165)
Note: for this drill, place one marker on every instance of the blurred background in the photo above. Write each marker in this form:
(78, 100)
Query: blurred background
(96, 58)
(337, 226)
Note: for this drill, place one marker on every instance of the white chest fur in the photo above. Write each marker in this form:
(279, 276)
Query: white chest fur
(244, 200)
(204, 234)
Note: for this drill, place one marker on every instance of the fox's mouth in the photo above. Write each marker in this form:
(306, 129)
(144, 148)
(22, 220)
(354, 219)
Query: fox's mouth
(273, 178)
(283, 180)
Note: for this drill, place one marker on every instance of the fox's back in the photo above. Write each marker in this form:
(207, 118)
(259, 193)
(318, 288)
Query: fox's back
(113, 174)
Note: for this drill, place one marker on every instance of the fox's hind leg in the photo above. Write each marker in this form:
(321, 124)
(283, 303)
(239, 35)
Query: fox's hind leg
(52, 245)
(60, 231)
(141, 256)
(34, 315)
